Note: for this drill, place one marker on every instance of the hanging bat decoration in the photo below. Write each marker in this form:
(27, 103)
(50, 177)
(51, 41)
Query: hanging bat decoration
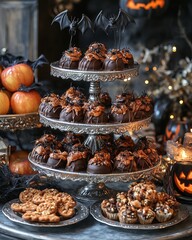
(74, 24)
(115, 23)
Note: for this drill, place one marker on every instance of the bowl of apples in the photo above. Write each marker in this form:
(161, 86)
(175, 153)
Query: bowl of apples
(19, 96)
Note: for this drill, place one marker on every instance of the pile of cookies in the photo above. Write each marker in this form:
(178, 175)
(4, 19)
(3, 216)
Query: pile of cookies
(48, 205)
(142, 203)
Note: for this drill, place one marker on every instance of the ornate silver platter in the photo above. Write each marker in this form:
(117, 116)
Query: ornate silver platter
(182, 214)
(107, 128)
(82, 212)
(92, 178)
(14, 122)
(92, 76)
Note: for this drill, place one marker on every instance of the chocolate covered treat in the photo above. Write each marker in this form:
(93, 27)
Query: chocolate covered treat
(113, 61)
(145, 215)
(100, 163)
(120, 113)
(70, 139)
(98, 48)
(50, 106)
(124, 142)
(70, 58)
(105, 99)
(95, 112)
(142, 107)
(74, 96)
(125, 162)
(125, 98)
(128, 215)
(40, 154)
(127, 57)
(77, 158)
(91, 62)
(71, 113)
(47, 140)
(57, 159)
(109, 209)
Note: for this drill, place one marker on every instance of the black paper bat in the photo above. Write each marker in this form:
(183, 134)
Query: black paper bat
(75, 24)
(119, 22)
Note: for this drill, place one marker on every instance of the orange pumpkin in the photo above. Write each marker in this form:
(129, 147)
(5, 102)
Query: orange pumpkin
(176, 130)
(182, 177)
(144, 8)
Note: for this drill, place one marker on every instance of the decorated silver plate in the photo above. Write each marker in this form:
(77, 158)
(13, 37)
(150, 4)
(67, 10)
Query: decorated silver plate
(92, 76)
(92, 178)
(82, 212)
(14, 122)
(106, 128)
(182, 214)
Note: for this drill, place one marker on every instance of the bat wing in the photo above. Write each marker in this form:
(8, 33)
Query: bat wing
(63, 19)
(101, 21)
(123, 19)
(84, 24)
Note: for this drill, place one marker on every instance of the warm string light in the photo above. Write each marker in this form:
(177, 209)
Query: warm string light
(127, 79)
(154, 68)
(174, 49)
(175, 83)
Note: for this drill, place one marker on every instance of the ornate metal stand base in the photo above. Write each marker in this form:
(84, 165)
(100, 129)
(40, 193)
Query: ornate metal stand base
(95, 191)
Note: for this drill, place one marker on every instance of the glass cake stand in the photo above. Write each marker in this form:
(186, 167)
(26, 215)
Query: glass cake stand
(96, 188)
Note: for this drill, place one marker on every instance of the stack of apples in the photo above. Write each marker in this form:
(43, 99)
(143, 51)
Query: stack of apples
(12, 99)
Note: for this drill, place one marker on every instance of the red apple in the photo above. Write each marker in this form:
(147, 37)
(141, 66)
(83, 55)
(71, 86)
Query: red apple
(4, 103)
(19, 163)
(25, 102)
(12, 77)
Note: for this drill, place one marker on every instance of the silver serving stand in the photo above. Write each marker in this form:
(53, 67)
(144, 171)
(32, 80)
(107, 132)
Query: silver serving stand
(13, 122)
(96, 188)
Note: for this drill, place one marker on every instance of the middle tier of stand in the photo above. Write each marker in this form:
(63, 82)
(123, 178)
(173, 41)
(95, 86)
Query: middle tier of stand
(105, 128)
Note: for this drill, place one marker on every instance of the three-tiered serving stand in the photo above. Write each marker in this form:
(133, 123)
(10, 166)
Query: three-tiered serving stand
(96, 188)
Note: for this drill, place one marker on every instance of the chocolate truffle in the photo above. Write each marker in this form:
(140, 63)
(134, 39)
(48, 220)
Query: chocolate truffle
(71, 113)
(127, 57)
(57, 159)
(95, 113)
(113, 61)
(100, 163)
(120, 113)
(50, 106)
(125, 162)
(70, 58)
(77, 158)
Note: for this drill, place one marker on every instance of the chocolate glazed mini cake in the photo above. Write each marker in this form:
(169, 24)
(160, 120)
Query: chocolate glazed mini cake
(120, 113)
(50, 106)
(125, 162)
(95, 113)
(100, 163)
(74, 96)
(113, 61)
(71, 113)
(70, 58)
(77, 158)
(94, 57)
(127, 57)
(57, 159)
